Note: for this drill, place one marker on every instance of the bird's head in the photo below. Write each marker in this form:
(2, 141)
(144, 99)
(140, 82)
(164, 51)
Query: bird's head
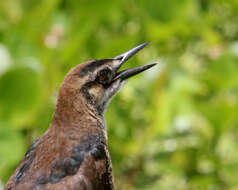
(98, 80)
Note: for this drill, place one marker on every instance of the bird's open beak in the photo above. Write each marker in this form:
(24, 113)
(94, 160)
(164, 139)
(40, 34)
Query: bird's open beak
(133, 71)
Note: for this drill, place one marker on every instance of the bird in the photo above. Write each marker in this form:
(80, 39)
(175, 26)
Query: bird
(73, 152)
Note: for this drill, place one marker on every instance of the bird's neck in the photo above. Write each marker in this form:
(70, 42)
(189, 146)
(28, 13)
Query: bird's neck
(72, 110)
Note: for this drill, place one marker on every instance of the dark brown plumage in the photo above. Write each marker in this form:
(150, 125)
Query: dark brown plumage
(73, 153)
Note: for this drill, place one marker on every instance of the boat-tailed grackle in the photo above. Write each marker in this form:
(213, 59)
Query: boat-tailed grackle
(73, 153)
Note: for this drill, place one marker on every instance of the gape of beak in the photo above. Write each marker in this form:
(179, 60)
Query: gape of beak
(125, 74)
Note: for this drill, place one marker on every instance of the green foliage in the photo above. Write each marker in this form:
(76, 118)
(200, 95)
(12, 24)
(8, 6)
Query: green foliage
(173, 127)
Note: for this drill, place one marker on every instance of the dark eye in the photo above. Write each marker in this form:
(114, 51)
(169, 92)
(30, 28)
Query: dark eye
(104, 76)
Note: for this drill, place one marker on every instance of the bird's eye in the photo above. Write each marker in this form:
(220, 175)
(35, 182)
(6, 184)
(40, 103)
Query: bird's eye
(104, 76)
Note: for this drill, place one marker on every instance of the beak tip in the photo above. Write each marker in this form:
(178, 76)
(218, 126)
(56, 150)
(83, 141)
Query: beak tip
(146, 43)
(150, 65)
(139, 47)
(153, 64)
(126, 55)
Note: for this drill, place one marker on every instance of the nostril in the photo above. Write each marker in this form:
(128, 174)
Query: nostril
(119, 57)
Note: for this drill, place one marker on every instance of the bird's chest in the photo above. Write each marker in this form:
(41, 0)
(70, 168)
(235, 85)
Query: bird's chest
(57, 163)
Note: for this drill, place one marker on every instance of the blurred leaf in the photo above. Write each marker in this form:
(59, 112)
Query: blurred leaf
(12, 149)
(20, 92)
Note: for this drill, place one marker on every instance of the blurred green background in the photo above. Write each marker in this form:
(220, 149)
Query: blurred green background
(173, 127)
